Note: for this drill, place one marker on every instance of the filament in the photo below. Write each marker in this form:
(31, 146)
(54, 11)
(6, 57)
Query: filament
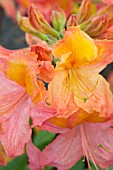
(101, 146)
(78, 86)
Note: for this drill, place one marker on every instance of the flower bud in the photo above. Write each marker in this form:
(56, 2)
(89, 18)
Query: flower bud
(85, 11)
(97, 26)
(108, 10)
(25, 26)
(72, 21)
(38, 21)
(58, 18)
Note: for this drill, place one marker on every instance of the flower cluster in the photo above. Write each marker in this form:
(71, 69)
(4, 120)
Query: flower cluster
(55, 85)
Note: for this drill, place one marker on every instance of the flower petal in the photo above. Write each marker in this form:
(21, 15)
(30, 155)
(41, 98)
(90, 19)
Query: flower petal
(52, 128)
(10, 94)
(72, 43)
(64, 151)
(16, 130)
(33, 154)
(98, 143)
(100, 99)
(62, 99)
(41, 113)
(46, 71)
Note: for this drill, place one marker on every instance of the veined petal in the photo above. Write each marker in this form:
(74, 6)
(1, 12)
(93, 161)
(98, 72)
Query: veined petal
(17, 66)
(80, 141)
(22, 67)
(64, 151)
(82, 48)
(16, 130)
(34, 155)
(41, 113)
(10, 94)
(98, 148)
(98, 96)
(52, 128)
(62, 99)
(105, 55)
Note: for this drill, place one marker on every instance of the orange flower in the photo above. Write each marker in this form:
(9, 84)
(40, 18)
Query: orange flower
(77, 91)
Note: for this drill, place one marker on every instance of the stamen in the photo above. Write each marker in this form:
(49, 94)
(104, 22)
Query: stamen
(83, 160)
(85, 99)
(78, 86)
(86, 148)
(101, 146)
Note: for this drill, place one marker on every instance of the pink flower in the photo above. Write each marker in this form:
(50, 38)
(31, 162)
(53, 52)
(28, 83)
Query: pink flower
(94, 141)
(20, 93)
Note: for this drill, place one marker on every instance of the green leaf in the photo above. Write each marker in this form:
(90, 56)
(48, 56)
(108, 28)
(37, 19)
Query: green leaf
(19, 163)
(79, 165)
(43, 138)
(111, 168)
(48, 168)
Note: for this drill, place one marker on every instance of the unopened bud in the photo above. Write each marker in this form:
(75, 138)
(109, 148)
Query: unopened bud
(25, 26)
(72, 21)
(97, 27)
(108, 10)
(58, 18)
(38, 21)
(84, 11)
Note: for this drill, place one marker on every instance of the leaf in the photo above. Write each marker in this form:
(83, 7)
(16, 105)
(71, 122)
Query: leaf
(19, 163)
(79, 165)
(111, 168)
(48, 168)
(43, 138)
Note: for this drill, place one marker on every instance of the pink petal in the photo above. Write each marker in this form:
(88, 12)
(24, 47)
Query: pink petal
(52, 128)
(10, 94)
(33, 154)
(41, 113)
(5, 52)
(64, 151)
(16, 130)
(94, 135)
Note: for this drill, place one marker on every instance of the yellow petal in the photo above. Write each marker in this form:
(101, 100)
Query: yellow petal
(79, 45)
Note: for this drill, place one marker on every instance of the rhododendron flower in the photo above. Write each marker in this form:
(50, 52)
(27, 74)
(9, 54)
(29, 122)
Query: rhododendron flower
(91, 140)
(21, 90)
(82, 94)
